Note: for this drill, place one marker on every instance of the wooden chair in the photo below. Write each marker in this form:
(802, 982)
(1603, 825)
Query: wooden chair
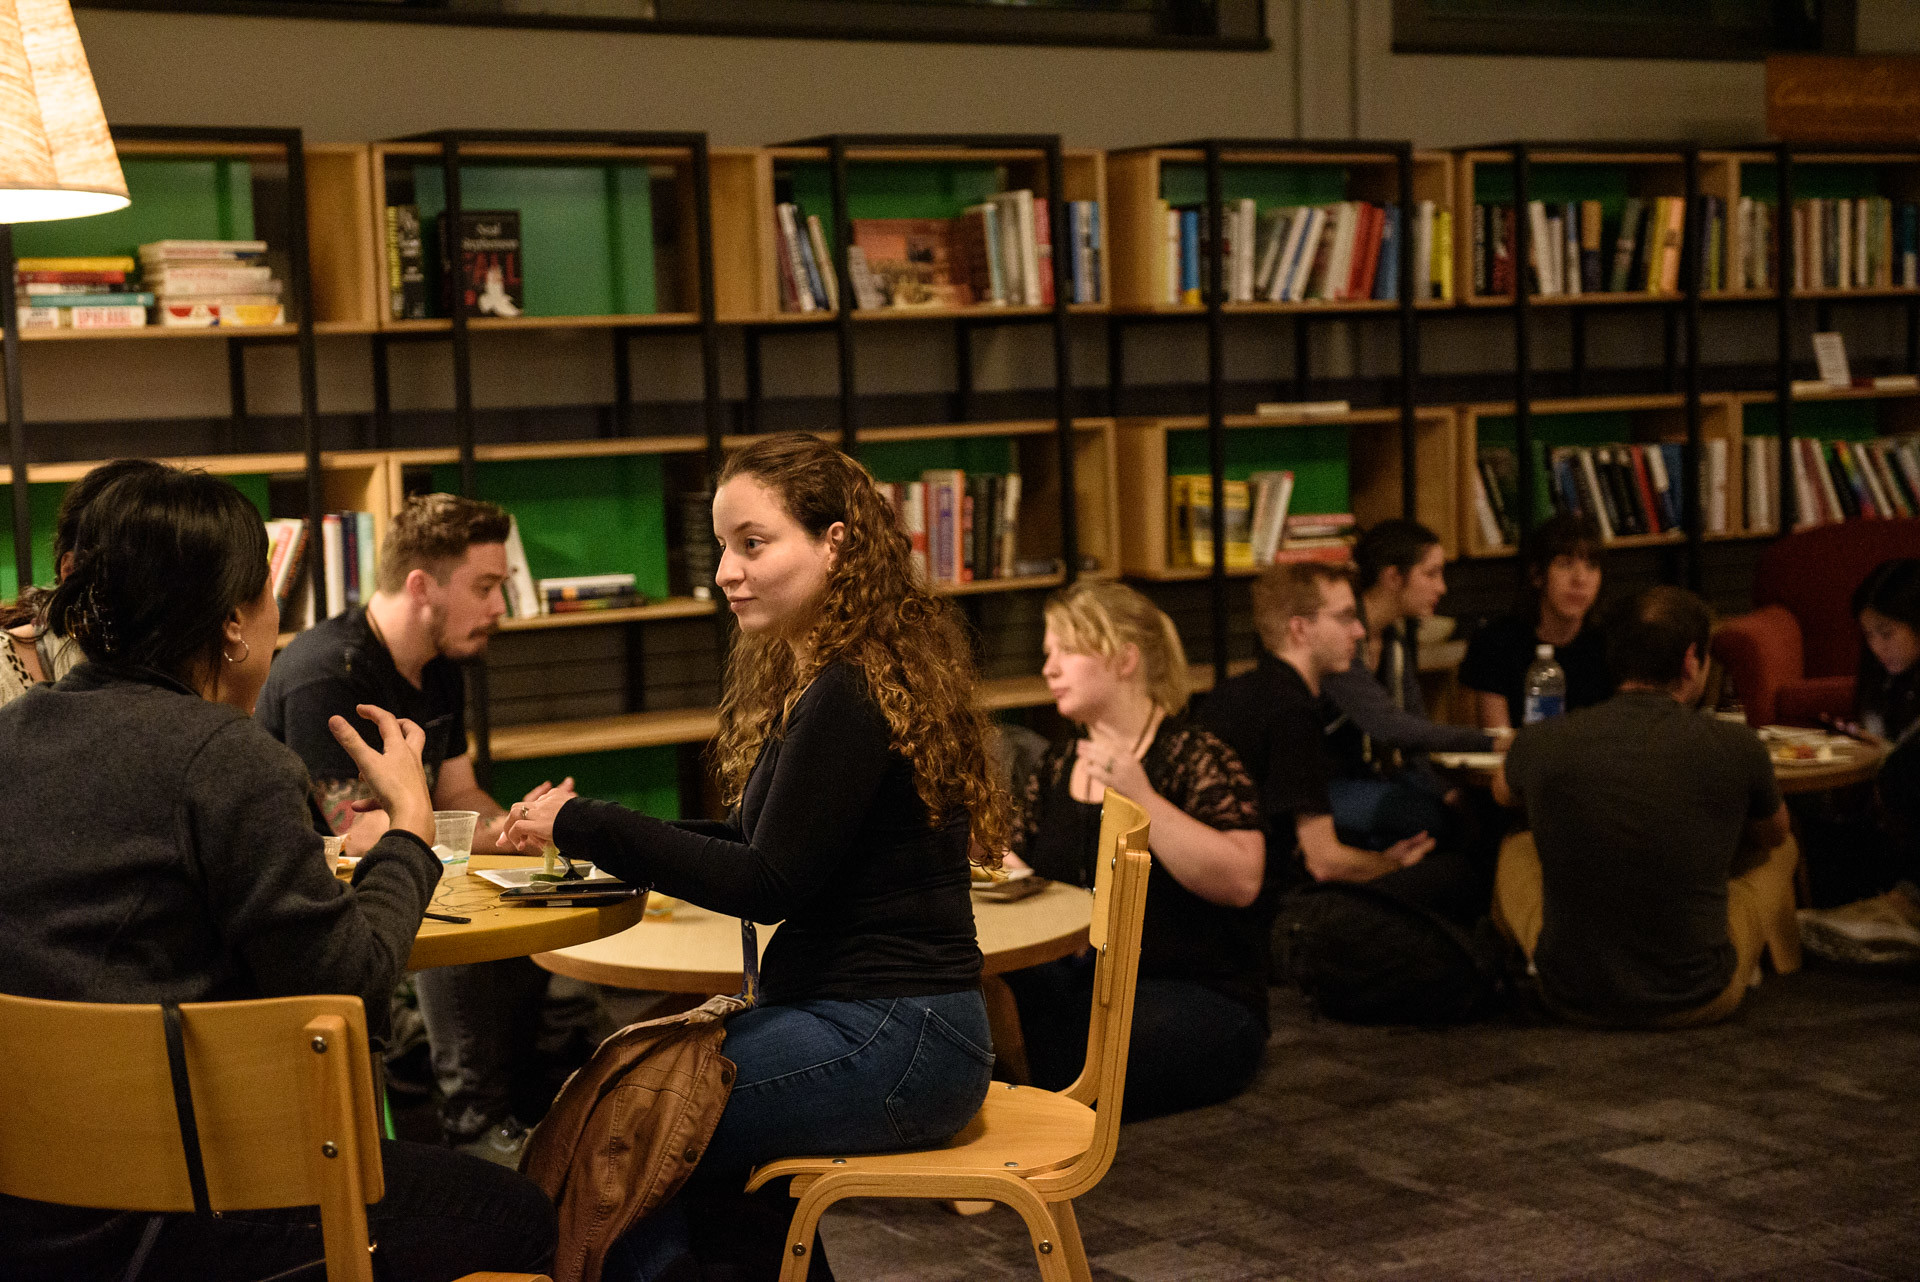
(1029, 1149)
(280, 1097)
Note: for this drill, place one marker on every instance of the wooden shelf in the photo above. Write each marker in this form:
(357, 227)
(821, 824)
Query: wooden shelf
(158, 331)
(1261, 308)
(442, 325)
(1607, 299)
(566, 152)
(524, 451)
(1835, 394)
(681, 607)
(1018, 583)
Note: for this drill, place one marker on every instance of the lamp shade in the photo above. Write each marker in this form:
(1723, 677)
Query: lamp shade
(56, 156)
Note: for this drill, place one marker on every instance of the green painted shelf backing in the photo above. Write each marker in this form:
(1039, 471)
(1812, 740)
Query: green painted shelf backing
(1813, 182)
(893, 189)
(172, 200)
(896, 461)
(582, 516)
(44, 498)
(1268, 186)
(1833, 421)
(642, 779)
(1317, 457)
(586, 231)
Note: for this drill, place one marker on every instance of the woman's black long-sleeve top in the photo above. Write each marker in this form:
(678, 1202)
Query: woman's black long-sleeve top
(832, 840)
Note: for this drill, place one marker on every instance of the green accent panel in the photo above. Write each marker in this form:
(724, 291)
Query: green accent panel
(642, 779)
(172, 200)
(586, 231)
(1605, 428)
(896, 461)
(44, 499)
(1832, 421)
(1558, 184)
(1317, 457)
(1267, 186)
(894, 189)
(1813, 182)
(582, 516)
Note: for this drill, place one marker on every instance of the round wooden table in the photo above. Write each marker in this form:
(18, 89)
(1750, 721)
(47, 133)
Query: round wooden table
(507, 930)
(696, 951)
(1853, 762)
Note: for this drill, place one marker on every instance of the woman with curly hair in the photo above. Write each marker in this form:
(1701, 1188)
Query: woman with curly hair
(858, 772)
(1116, 669)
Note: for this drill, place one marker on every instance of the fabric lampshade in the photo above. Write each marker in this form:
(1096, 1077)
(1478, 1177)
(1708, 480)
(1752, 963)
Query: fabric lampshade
(56, 157)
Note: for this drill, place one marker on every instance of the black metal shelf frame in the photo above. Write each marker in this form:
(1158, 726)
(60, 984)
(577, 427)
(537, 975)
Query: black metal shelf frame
(291, 144)
(458, 333)
(1053, 172)
(1217, 151)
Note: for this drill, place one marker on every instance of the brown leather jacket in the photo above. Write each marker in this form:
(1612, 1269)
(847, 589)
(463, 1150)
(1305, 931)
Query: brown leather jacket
(628, 1129)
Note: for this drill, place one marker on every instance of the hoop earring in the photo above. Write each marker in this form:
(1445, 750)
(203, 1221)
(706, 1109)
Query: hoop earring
(243, 658)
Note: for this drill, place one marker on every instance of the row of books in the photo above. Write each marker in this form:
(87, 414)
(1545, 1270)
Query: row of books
(1260, 530)
(346, 548)
(194, 284)
(963, 527)
(1626, 490)
(1565, 247)
(1341, 252)
(528, 597)
(1842, 480)
(1869, 243)
(479, 267)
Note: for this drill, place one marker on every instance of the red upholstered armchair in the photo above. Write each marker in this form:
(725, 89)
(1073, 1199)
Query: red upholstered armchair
(1796, 656)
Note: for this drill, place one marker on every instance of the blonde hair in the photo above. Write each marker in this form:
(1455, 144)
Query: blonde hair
(1293, 590)
(1098, 616)
(878, 616)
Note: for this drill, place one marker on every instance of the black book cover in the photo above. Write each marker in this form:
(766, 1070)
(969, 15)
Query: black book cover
(1830, 458)
(487, 279)
(1625, 492)
(406, 275)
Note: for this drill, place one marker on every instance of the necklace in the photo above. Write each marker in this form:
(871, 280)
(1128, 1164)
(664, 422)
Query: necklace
(19, 668)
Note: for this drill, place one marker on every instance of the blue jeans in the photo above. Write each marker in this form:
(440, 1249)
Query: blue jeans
(1375, 813)
(815, 1077)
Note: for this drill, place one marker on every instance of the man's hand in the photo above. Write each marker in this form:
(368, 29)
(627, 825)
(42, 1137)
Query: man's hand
(1409, 851)
(394, 773)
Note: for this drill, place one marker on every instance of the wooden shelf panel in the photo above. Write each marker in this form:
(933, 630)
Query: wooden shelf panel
(1018, 583)
(218, 464)
(912, 155)
(562, 152)
(158, 331)
(1314, 306)
(1280, 156)
(1837, 394)
(1350, 418)
(522, 451)
(940, 431)
(671, 608)
(441, 325)
(1575, 156)
(188, 150)
(1609, 299)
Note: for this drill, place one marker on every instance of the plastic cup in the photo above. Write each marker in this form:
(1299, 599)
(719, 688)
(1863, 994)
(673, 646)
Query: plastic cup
(453, 839)
(332, 846)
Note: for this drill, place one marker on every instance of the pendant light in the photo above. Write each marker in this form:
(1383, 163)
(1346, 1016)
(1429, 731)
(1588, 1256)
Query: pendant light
(56, 157)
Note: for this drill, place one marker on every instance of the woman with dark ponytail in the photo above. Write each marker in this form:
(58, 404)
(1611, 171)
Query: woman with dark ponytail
(155, 845)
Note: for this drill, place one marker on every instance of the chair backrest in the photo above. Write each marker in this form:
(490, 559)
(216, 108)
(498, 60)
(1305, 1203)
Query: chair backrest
(1814, 573)
(1119, 910)
(282, 1102)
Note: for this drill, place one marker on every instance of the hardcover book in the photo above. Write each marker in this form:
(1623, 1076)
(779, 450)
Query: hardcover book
(480, 267)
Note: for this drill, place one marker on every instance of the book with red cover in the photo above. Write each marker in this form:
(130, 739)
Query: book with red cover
(1043, 247)
(1366, 254)
(913, 260)
(1644, 485)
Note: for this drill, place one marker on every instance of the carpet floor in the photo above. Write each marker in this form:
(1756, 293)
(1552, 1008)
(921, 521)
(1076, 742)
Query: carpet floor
(1784, 1144)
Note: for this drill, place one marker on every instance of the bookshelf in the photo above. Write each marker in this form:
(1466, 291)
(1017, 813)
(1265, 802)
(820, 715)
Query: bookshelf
(1857, 416)
(1593, 422)
(1341, 463)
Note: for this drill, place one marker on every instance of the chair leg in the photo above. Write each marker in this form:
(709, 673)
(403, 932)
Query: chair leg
(804, 1231)
(1066, 1230)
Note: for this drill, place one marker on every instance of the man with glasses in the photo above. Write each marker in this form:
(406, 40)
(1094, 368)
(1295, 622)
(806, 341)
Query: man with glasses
(1274, 718)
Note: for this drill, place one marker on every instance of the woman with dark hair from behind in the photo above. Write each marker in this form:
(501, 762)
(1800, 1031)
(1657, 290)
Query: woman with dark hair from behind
(1886, 840)
(1386, 790)
(36, 652)
(155, 846)
(1561, 565)
(858, 769)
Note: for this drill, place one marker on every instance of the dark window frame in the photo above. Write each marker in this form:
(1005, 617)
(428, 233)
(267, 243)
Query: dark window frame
(1418, 29)
(1201, 25)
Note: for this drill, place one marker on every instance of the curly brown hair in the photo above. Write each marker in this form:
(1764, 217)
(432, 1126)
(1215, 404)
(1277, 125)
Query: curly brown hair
(877, 615)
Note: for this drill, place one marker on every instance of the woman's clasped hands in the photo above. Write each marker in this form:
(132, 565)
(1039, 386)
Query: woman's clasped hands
(530, 823)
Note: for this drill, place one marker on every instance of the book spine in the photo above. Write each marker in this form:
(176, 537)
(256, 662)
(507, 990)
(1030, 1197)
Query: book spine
(1043, 249)
(333, 563)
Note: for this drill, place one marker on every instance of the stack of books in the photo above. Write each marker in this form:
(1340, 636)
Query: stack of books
(1630, 490)
(1869, 243)
(1260, 531)
(587, 592)
(286, 558)
(998, 253)
(1565, 247)
(1842, 480)
(78, 293)
(1341, 252)
(1317, 536)
(200, 284)
(963, 527)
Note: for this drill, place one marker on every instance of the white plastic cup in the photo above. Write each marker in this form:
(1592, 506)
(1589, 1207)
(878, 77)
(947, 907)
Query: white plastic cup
(453, 839)
(332, 848)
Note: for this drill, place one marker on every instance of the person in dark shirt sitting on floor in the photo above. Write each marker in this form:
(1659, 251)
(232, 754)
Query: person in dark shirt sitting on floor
(859, 771)
(1562, 583)
(1385, 787)
(1116, 669)
(156, 845)
(1660, 860)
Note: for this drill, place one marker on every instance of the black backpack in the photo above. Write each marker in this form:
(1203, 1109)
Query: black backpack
(1365, 956)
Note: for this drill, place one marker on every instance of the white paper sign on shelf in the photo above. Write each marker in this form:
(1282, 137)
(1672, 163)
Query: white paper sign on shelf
(1830, 351)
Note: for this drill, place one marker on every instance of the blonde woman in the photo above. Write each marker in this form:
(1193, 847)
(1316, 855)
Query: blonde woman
(1116, 669)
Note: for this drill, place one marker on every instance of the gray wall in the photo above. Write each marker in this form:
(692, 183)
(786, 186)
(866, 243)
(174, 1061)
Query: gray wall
(1330, 73)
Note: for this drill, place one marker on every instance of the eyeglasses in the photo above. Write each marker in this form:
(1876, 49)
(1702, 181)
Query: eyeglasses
(1348, 616)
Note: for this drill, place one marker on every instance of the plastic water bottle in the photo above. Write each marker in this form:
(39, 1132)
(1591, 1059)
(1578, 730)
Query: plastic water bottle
(1546, 687)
